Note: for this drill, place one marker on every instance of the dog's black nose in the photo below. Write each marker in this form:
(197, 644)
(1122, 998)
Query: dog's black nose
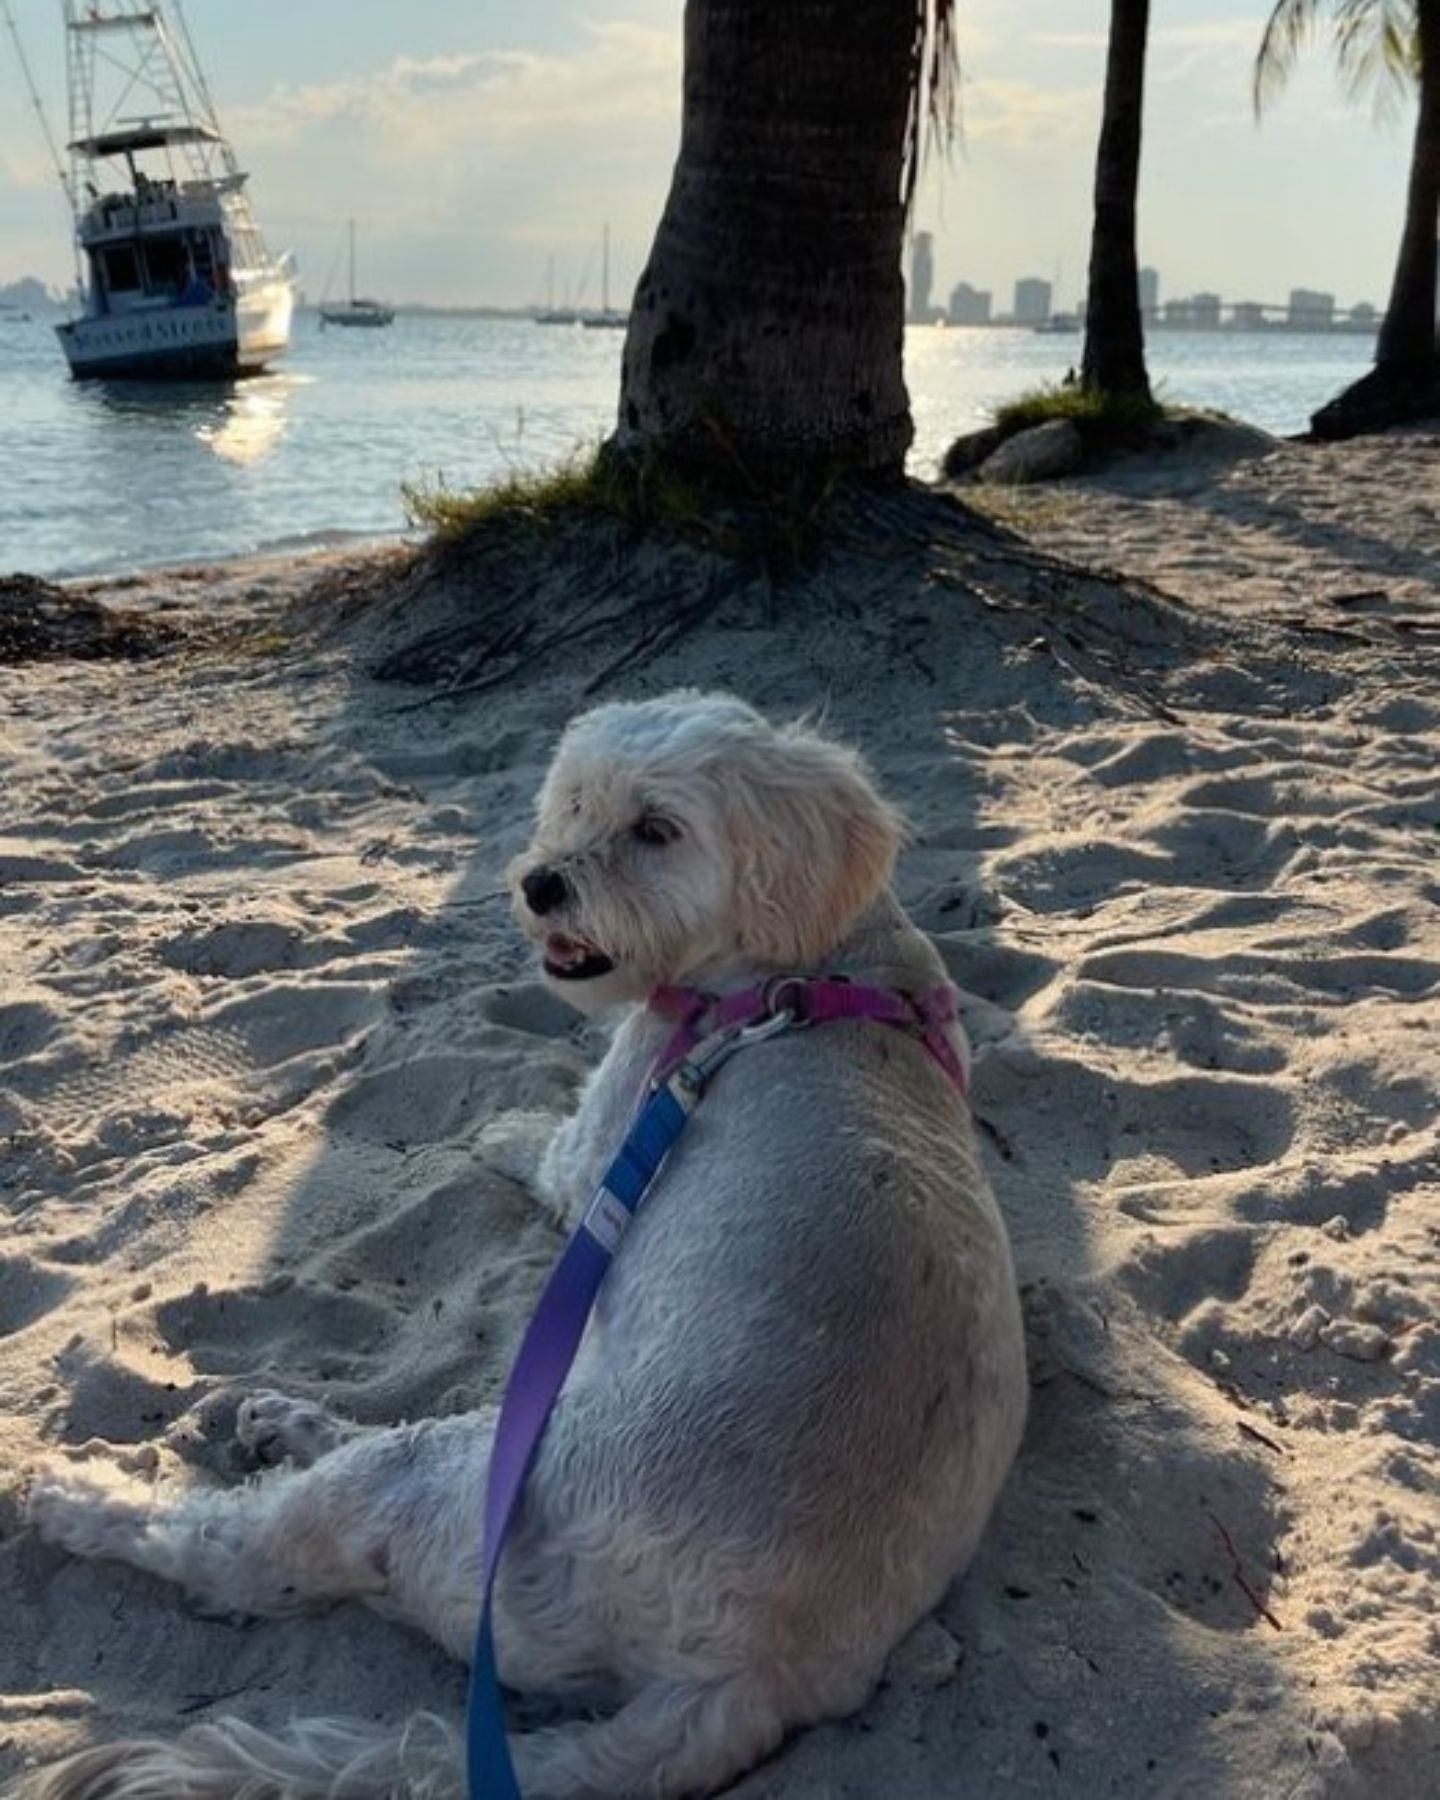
(544, 890)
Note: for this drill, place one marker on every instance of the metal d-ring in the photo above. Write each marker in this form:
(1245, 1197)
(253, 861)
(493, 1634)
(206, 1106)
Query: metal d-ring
(793, 1008)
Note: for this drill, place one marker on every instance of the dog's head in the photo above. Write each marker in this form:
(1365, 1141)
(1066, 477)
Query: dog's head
(687, 834)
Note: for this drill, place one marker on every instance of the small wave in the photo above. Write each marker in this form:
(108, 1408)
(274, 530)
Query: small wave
(322, 539)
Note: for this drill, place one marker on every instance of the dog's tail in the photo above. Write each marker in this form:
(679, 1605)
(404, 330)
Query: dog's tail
(231, 1760)
(673, 1738)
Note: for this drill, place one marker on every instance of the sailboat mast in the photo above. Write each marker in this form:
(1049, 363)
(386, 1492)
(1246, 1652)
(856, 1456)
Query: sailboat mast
(352, 262)
(605, 271)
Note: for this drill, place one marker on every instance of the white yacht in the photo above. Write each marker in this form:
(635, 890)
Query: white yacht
(175, 277)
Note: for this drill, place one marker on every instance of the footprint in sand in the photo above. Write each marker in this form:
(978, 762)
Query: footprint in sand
(28, 1291)
(1194, 1030)
(25, 1027)
(296, 1326)
(530, 1007)
(1273, 979)
(1103, 1122)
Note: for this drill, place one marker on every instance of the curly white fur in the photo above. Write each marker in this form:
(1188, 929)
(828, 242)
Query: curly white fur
(804, 1383)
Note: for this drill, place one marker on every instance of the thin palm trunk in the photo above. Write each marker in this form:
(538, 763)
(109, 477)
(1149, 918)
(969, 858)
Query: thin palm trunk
(1114, 358)
(1407, 336)
(766, 332)
(1382, 45)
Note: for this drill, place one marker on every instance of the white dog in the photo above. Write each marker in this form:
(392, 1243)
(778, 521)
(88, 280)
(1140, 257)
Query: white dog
(805, 1380)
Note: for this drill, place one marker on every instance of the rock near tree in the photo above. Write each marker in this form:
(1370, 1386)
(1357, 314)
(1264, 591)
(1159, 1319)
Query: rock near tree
(1044, 453)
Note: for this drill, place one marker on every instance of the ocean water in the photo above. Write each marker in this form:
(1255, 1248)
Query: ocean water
(100, 477)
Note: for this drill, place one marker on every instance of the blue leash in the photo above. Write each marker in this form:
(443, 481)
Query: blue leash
(544, 1359)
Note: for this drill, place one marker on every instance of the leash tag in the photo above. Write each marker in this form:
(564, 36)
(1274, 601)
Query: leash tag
(607, 1219)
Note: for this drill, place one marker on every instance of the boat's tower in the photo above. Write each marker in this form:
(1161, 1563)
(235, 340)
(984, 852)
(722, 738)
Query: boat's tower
(133, 84)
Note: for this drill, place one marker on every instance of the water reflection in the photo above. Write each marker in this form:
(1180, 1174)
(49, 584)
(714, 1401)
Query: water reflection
(238, 421)
(256, 420)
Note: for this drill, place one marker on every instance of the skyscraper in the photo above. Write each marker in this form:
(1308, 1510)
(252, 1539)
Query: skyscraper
(1205, 312)
(1032, 301)
(968, 305)
(1310, 311)
(1149, 294)
(922, 277)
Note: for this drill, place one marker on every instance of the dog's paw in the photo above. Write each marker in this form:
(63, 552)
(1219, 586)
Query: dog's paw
(277, 1428)
(515, 1144)
(89, 1517)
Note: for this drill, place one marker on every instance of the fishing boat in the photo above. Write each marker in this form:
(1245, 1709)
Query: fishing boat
(174, 276)
(357, 310)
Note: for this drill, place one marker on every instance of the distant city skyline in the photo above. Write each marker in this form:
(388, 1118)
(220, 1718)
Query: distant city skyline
(1034, 301)
(474, 145)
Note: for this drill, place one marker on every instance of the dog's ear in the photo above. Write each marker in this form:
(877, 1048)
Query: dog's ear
(813, 844)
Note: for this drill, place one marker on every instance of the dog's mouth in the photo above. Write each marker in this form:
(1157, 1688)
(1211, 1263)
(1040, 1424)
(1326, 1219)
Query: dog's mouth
(574, 958)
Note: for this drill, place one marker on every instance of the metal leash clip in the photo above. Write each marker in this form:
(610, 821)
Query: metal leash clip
(698, 1070)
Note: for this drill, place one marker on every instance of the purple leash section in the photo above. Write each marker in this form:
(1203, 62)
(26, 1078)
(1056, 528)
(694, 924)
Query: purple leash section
(708, 1030)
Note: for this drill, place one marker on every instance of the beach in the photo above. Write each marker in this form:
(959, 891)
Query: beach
(1175, 837)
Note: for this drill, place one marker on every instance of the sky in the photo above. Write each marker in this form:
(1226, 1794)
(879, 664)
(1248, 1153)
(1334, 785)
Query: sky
(481, 143)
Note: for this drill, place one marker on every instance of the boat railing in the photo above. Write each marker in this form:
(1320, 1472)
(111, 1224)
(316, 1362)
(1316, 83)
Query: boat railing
(121, 214)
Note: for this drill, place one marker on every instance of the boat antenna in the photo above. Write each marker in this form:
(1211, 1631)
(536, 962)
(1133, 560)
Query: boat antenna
(195, 68)
(36, 102)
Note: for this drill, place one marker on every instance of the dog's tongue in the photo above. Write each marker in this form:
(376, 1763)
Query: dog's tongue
(565, 952)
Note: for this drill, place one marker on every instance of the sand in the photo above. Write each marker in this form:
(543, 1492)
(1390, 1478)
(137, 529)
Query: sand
(260, 997)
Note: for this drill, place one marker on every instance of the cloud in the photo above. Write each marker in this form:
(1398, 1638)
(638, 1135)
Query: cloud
(1020, 115)
(1218, 32)
(623, 76)
(26, 168)
(1213, 57)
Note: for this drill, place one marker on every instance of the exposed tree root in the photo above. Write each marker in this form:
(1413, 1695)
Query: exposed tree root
(907, 568)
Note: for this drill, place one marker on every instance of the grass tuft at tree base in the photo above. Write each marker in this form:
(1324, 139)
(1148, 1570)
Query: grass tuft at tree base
(530, 500)
(775, 524)
(1105, 421)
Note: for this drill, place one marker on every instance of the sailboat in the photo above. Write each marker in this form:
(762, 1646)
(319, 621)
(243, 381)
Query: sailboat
(607, 319)
(550, 313)
(175, 278)
(357, 310)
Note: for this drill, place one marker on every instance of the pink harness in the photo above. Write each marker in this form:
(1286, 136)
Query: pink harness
(807, 1000)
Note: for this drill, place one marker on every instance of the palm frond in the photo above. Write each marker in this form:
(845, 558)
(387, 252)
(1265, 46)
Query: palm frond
(1288, 30)
(1376, 47)
(934, 86)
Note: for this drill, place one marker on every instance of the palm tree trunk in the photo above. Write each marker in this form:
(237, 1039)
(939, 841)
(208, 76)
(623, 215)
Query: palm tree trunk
(1405, 382)
(1114, 359)
(767, 330)
(1407, 336)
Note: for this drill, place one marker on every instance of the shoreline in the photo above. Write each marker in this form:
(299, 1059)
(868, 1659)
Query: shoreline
(1131, 489)
(319, 546)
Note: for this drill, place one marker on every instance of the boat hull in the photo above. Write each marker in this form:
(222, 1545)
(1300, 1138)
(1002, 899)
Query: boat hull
(184, 343)
(374, 322)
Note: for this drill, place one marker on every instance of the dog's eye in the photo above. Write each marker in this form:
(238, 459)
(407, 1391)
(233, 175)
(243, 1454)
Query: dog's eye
(652, 829)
